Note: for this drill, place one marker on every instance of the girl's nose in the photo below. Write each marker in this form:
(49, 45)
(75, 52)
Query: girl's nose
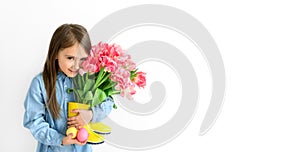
(76, 66)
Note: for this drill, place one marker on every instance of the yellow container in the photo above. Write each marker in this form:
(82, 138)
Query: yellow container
(100, 128)
(94, 137)
(76, 105)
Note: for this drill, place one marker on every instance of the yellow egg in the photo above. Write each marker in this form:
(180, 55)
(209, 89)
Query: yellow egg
(72, 130)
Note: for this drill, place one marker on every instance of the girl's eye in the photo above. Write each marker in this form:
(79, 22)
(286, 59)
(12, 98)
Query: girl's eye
(82, 59)
(70, 58)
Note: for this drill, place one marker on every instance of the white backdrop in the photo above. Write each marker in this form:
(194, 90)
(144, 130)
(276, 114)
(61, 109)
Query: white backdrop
(258, 40)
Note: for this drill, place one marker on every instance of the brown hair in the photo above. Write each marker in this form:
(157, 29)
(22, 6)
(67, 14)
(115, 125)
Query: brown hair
(64, 36)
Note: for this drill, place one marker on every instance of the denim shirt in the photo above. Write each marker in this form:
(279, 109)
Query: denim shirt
(38, 119)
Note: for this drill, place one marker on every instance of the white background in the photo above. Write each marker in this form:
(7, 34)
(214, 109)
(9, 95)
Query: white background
(258, 40)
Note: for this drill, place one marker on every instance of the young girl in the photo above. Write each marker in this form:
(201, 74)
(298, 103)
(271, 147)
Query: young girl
(46, 101)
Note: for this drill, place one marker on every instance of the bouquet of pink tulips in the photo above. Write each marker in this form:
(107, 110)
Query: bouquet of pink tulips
(107, 71)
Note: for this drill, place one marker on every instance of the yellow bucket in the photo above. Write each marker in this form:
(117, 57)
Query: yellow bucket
(93, 128)
(76, 105)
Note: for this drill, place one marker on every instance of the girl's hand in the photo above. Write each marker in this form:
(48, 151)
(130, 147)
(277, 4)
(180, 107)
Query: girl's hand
(68, 141)
(83, 118)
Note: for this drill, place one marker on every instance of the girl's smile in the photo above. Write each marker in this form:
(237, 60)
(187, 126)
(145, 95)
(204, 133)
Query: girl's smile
(74, 72)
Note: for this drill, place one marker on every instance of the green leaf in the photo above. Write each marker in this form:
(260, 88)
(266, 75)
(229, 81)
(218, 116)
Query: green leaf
(82, 78)
(80, 82)
(76, 95)
(95, 101)
(87, 75)
(102, 96)
(88, 96)
(106, 76)
(80, 93)
(88, 85)
(109, 85)
(99, 97)
(115, 106)
(113, 92)
(99, 78)
(75, 85)
(133, 74)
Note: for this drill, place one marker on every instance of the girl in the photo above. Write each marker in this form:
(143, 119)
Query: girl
(46, 101)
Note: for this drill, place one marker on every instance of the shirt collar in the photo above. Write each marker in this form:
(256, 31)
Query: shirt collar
(61, 75)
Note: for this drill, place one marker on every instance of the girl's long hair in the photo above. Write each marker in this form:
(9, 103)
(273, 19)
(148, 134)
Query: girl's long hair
(65, 36)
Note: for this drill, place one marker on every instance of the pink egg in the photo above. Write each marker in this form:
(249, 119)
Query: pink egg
(82, 135)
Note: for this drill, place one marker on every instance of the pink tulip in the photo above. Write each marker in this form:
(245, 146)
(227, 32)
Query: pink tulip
(140, 79)
(91, 65)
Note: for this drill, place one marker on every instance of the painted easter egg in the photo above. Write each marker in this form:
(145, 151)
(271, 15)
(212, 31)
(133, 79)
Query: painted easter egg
(73, 131)
(82, 135)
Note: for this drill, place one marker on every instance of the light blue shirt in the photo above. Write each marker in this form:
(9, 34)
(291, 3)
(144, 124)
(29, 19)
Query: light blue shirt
(38, 119)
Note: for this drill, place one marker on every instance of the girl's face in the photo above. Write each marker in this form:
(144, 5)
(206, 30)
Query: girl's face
(70, 59)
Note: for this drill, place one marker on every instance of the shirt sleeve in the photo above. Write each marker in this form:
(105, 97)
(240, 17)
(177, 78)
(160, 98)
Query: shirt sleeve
(102, 110)
(34, 117)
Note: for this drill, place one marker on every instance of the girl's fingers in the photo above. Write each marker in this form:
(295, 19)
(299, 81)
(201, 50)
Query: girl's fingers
(73, 118)
(76, 121)
(75, 111)
(84, 142)
(71, 122)
(69, 136)
(80, 143)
